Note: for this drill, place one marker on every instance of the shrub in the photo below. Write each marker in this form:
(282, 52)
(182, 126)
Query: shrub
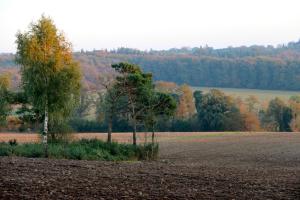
(5, 150)
(28, 150)
(148, 152)
(82, 150)
(76, 153)
(12, 142)
(56, 151)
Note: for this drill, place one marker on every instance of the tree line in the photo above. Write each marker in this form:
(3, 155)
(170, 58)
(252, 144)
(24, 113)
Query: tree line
(169, 107)
(256, 67)
(210, 111)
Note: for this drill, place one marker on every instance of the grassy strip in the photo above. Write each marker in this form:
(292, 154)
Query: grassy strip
(82, 150)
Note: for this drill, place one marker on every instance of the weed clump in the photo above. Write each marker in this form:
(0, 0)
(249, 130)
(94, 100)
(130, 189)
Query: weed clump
(84, 149)
(12, 142)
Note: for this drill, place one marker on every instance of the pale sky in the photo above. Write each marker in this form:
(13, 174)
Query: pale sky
(156, 24)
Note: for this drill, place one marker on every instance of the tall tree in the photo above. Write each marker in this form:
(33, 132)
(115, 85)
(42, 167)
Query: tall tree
(279, 114)
(113, 102)
(4, 98)
(186, 107)
(217, 112)
(158, 105)
(249, 113)
(136, 87)
(252, 104)
(198, 99)
(50, 76)
(294, 104)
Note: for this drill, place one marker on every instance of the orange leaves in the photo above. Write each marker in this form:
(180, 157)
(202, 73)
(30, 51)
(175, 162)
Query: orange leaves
(249, 111)
(186, 107)
(5, 81)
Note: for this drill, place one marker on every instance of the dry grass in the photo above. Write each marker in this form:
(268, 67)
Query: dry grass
(142, 136)
(20, 137)
(117, 137)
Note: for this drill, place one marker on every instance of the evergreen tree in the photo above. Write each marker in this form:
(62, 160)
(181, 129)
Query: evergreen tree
(136, 87)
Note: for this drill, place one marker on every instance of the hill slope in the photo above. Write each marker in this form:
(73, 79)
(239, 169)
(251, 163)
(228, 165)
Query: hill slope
(255, 67)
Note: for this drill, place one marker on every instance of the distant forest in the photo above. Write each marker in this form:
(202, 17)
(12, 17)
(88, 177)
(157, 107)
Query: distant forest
(256, 67)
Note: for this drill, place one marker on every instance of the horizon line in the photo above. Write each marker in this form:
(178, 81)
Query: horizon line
(279, 45)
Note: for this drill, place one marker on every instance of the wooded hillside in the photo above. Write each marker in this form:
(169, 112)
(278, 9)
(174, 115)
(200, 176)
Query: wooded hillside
(257, 67)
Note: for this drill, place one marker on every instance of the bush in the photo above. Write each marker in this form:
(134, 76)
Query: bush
(83, 150)
(28, 150)
(148, 152)
(5, 149)
(12, 142)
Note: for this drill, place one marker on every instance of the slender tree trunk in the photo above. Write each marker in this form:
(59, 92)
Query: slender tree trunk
(45, 132)
(134, 132)
(153, 134)
(109, 129)
(36, 125)
(146, 137)
(152, 147)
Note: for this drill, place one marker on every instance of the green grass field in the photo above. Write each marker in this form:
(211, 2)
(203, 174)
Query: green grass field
(262, 95)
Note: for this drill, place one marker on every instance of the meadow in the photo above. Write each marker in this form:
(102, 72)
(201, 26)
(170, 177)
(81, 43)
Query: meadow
(262, 95)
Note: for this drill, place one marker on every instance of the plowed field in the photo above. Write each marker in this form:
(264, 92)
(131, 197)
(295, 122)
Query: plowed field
(191, 166)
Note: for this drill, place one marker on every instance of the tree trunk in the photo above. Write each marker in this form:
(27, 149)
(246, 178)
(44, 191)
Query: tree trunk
(146, 137)
(152, 147)
(109, 129)
(45, 132)
(134, 132)
(153, 135)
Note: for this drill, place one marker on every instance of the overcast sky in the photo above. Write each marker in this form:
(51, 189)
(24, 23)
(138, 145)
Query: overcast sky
(156, 24)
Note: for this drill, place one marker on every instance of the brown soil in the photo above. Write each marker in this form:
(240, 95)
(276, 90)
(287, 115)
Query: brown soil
(216, 166)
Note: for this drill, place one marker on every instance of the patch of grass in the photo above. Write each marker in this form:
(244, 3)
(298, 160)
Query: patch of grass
(202, 135)
(28, 150)
(262, 95)
(5, 149)
(83, 150)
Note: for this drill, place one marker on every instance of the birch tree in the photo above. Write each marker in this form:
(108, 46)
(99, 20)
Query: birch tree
(50, 76)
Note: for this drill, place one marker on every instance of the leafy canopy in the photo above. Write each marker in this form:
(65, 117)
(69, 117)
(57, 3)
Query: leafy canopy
(50, 77)
(4, 97)
(217, 112)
